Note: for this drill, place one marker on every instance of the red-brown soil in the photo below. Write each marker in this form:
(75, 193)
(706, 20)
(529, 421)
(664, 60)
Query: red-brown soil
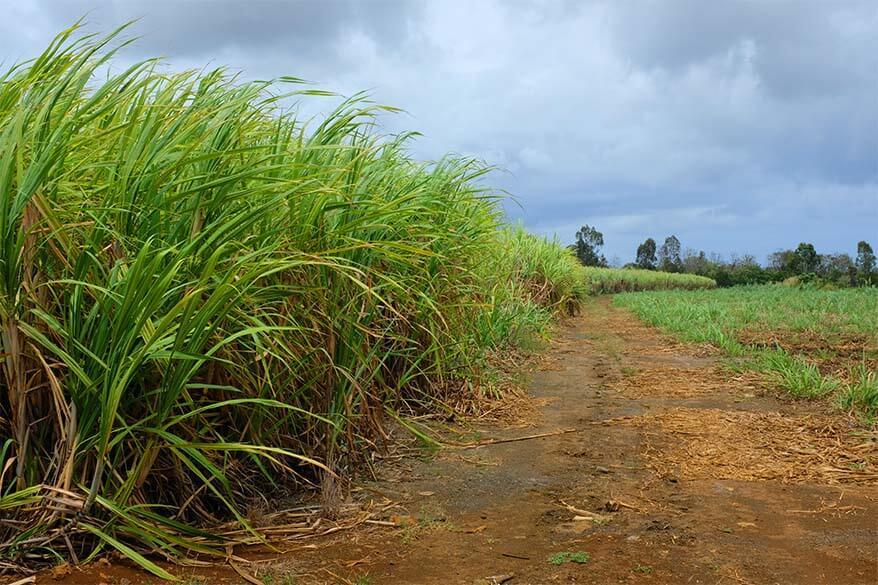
(672, 471)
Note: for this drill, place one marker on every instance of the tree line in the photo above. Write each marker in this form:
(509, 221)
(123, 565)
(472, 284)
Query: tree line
(803, 263)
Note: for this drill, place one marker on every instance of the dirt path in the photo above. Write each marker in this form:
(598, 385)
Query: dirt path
(702, 477)
(677, 473)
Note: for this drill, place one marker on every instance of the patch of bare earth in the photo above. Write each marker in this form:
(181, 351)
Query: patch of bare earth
(636, 456)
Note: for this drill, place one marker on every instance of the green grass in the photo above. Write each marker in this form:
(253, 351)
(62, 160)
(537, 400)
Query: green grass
(861, 392)
(824, 319)
(617, 280)
(205, 300)
(706, 316)
(793, 373)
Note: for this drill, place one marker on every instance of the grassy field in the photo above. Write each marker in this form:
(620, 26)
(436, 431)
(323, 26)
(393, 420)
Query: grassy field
(810, 342)
(205, 300)
(617, 280)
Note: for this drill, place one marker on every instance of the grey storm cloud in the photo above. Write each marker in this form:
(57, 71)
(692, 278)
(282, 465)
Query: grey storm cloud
(739, 126)
(802, 48)
(202, 29)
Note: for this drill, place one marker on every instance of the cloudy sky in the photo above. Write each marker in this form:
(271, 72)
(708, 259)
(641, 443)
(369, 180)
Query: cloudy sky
(741, 127)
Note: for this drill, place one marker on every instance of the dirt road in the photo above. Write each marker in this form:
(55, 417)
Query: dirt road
(675, 471)
(700, 476)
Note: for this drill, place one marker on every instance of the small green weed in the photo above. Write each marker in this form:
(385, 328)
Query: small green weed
(276, 578)
(560, 558)
(642, 569)
(430, 518)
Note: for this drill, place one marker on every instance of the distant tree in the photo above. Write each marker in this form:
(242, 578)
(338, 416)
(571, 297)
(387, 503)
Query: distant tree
(806, 259)
(746, 260)
(696, 262)
(737, 270)
(853, 280)
(669, 255)
(646, 255)
(783, 262)
(865, 263)
(837, 268)
(589, 241)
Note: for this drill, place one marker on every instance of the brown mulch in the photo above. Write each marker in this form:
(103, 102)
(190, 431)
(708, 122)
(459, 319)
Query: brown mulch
(679, 382)
(750, 446)
(847, 345)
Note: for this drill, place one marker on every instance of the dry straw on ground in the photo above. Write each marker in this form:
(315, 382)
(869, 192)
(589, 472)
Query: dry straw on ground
(752, 446)
(686, 382)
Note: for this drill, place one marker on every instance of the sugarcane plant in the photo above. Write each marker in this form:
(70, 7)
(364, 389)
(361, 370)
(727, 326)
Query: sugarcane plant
(205, 299)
